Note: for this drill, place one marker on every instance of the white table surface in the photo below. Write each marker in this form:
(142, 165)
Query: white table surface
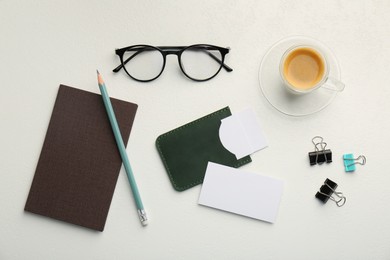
(47, 43)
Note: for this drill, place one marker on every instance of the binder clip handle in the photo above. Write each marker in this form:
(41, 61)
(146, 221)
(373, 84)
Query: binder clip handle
(362, 158)
(341, 198)
(317, 143)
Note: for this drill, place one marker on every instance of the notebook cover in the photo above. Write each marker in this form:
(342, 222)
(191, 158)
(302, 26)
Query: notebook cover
(79, 163)
(186, 151)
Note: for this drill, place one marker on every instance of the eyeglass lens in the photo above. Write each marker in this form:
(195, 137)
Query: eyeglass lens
(143, 62)
(199, 62)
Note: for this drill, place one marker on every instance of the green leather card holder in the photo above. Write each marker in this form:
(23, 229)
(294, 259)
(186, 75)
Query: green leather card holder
(186, 150)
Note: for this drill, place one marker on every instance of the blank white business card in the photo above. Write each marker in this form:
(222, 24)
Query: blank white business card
(241, 192)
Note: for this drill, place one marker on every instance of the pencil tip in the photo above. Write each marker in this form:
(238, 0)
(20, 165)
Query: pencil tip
(100, 79)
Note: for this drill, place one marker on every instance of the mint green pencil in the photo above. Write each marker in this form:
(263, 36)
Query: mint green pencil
(122, 150)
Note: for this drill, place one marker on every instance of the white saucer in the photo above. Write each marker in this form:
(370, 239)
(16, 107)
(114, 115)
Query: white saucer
(276, 93)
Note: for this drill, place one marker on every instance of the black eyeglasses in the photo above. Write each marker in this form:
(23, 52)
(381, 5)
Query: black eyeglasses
(199, 62)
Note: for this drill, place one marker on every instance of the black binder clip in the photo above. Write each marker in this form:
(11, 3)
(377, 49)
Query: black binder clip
(320, 154)
(327, 190)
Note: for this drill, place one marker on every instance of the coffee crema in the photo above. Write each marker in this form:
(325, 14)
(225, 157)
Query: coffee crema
(304, 68)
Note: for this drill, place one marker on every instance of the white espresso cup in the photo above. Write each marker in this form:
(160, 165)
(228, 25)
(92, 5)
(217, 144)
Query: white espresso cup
(304, 69)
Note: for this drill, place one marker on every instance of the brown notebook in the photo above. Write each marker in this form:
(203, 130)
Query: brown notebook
(79, 163)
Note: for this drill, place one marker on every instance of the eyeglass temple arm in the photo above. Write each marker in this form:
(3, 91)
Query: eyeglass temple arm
(126, 61)
(226, 67)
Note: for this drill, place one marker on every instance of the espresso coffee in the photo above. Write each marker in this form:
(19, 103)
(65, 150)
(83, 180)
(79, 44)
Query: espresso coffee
(303, 68)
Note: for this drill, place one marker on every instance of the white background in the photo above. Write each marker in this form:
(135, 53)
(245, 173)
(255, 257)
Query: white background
(46, 43)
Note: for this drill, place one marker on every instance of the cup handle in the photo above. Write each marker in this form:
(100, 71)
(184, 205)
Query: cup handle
(334, 84)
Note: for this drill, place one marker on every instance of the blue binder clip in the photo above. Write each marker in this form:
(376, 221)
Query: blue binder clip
(350, 162)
